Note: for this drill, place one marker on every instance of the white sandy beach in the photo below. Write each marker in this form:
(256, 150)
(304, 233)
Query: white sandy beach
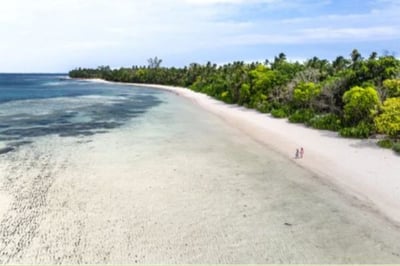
(368, 172)
(179, 185)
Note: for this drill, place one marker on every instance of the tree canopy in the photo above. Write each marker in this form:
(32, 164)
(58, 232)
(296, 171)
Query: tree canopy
(344, 93)
(361, 104)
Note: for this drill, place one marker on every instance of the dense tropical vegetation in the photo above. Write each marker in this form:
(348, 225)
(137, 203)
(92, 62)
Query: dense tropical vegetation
(356, 96)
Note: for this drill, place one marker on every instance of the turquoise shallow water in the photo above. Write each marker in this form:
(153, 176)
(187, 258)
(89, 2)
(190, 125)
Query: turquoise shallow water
(39, 105)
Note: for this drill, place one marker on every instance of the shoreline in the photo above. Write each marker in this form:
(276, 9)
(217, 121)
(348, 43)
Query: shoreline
(358, 167)
(163, 188)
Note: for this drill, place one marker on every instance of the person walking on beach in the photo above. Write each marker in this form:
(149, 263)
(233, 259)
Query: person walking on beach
(297, 154)
(301, 152)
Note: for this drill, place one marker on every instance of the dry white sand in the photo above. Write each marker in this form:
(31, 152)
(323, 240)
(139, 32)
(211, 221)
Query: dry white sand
(178, 185)
(358, 166)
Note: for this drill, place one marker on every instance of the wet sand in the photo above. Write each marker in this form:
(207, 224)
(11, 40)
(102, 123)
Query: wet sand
(179, 185)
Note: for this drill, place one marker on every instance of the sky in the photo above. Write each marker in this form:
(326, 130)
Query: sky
(59, 35)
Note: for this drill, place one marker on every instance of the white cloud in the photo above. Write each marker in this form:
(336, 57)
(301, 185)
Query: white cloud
(230, 2)
(47, 34)
(360, 34)
(316, 35)
(213, 2)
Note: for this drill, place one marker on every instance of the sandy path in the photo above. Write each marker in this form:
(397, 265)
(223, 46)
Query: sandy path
(358, 166)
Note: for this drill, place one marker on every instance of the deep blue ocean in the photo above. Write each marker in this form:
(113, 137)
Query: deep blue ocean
(36, 105)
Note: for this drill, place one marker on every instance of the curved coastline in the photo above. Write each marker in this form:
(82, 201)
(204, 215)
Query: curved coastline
(193, 180)
(357, 167)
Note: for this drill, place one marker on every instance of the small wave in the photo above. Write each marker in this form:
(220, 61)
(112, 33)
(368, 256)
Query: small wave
(97, 81)
(53, 83)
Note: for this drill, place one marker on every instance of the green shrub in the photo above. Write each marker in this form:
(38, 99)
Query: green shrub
(278, 105)
(362, 130)
(385, 143)
(396, 147)
(301, 116)
(263, 107)
(226, 97)
(388, 122)
(328, 122)
(361, 104)
(279, 113)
